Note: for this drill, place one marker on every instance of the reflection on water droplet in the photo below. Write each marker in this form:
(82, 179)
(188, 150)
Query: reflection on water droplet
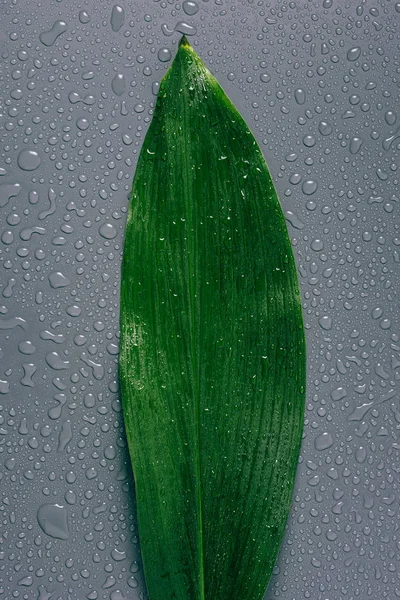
(28, 160)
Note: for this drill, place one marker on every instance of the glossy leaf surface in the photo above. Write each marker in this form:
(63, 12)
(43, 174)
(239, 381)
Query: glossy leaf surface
(212, 360)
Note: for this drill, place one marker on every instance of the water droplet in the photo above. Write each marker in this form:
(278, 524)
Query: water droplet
(29, 370)
(300, 95)
(185, 28)
(338, 394)
(108, 231)
(164, 54)
(8, 191)
(294, 220)
(355, 145)
(28, 160)
(55, 361)
(118, 84)
(309, 141)
(48, 38)
(325, 322)
(84, 17)
(52, 519)
(58, 280)
(324, 441)
(309, 187)
(65, 436)
(190, 7)
(324, 128)
(354, 53)
(117, 17)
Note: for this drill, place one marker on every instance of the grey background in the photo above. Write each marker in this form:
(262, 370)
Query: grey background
(318, 83)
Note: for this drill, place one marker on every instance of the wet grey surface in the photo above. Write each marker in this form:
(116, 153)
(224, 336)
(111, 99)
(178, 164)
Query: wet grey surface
(318, 84)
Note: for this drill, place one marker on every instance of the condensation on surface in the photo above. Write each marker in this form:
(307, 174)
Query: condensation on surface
(317, 83)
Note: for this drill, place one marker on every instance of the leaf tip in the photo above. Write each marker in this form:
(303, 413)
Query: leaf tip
(183, 43)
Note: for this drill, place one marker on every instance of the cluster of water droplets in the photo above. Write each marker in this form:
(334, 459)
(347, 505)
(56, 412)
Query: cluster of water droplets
(317, 85)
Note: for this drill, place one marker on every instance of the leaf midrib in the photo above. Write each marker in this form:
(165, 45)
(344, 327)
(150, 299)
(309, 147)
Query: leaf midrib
(192, 302)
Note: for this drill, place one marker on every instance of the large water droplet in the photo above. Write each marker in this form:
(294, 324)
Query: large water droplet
(28, 160)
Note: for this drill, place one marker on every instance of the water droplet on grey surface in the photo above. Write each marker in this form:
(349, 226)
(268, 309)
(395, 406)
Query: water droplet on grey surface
(84, 17)
(116, 595)
(294, 220)
(58, 280)
(355, 145)
(190, 7)
(353, 53)
(323, 441)
(28, 160)
(117, 555)
(48, 38)
(325, 322)
(317, 245)
(52, 205)
(97, 369)
(117, 17)
(309, 187)
(52, 519)
(118, 84)
(12, 322)
(54, 361)
(8, 191)
(300, 95)
(387, 142)
(107, 231)
(8, 290)
(324, 128)
(4, 387)
(65, 436)
(164, 54)
(309, 141)
(185, 28)
(29, 370)
(338, 394)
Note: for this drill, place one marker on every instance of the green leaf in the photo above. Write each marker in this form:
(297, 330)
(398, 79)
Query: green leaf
(212, 361)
